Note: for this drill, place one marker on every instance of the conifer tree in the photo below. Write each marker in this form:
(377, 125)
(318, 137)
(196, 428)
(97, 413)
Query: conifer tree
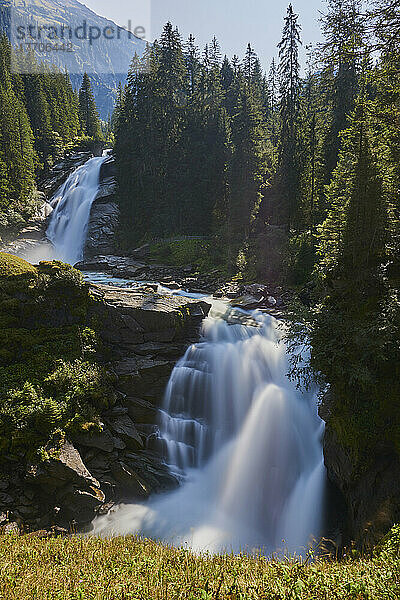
(215, 53)
(289, 73)
(192, 59)
(248, 163)
(341, 57)
(249, 64)
(87, 110)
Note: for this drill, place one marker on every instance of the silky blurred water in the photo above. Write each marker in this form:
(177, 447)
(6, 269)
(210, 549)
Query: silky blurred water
(244, 441)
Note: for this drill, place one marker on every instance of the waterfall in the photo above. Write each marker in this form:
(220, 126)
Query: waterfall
(244, 441)
(69, 221)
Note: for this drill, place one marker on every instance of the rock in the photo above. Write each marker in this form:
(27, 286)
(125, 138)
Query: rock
(4, 485)
(131, 317)
(104, 214)
(119, 444)
(105, 509)
(129, 481)
(125, 429)
(141, 411)
(248, 302)
(26, 511)
(142, 252)
(99, 463)
(117, 411)
(65, 484)
(81, 506)
(68, 467)
(370, 486)
(6, 499)
(160, 350)
(171, 285)
(102, 440)
(11, 529)
(144, 376)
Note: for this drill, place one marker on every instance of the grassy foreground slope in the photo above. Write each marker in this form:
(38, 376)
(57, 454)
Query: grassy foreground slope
(121, 568)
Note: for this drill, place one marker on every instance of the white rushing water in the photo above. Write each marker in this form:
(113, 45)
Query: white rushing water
(245, 442)
(69, 221)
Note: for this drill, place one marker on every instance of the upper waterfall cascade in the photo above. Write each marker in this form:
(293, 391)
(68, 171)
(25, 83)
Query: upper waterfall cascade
(245, 442)
(72, 203)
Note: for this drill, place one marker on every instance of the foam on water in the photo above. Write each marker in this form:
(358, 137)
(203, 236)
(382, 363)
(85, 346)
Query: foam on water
(72, 203)
(244, 441)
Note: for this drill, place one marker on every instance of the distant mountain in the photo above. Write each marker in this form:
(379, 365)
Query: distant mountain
(80, 40)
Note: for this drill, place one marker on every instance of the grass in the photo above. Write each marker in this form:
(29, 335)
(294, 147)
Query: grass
(76, 568)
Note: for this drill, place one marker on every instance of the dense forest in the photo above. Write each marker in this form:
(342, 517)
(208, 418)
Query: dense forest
(42, 118)
(287, 177)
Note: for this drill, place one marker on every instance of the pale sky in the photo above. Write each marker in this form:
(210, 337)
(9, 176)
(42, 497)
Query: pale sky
(234, 22)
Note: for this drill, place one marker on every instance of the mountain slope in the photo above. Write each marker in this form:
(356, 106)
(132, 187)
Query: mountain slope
(66, 22)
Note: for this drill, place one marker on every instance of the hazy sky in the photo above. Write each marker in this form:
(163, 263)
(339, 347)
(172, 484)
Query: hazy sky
(234, 22)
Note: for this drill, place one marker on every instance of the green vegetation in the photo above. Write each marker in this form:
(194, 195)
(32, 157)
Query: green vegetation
(87, 110)
(121, 568)
(42, 118)
(50, 378)
(13, 266)
(181, 253)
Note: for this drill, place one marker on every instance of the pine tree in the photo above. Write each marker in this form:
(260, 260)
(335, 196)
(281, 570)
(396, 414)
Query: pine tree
(273, 89)
(248, 164)
(192, 59)
(215, 54)
(87, 110)
(289, 73)
(340, 52)
(249, 64)
(227, 73)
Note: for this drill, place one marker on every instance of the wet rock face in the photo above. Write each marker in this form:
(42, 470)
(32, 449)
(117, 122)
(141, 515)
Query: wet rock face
(370, 489)
(104, 216)
(63, 488)
(59, 173)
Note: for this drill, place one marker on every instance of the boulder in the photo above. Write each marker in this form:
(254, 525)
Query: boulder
(141, 411)
(102, 440)
(130, 317)
(64, 488)
(125, 429)
(129, 481)
(66, 467)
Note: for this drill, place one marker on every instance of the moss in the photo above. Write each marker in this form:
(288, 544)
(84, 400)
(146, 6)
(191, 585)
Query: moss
(13, 266)
(49, 376)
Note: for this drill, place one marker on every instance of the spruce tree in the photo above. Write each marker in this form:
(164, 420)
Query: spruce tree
(340, 53)
(215, 53)
(87, 110)
(289, 73)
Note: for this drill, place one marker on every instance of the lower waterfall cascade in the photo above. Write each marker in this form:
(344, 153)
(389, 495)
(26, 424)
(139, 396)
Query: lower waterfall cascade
(72, 204)
(245, 443)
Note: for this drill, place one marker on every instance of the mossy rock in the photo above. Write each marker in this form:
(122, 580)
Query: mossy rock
(13, 266)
